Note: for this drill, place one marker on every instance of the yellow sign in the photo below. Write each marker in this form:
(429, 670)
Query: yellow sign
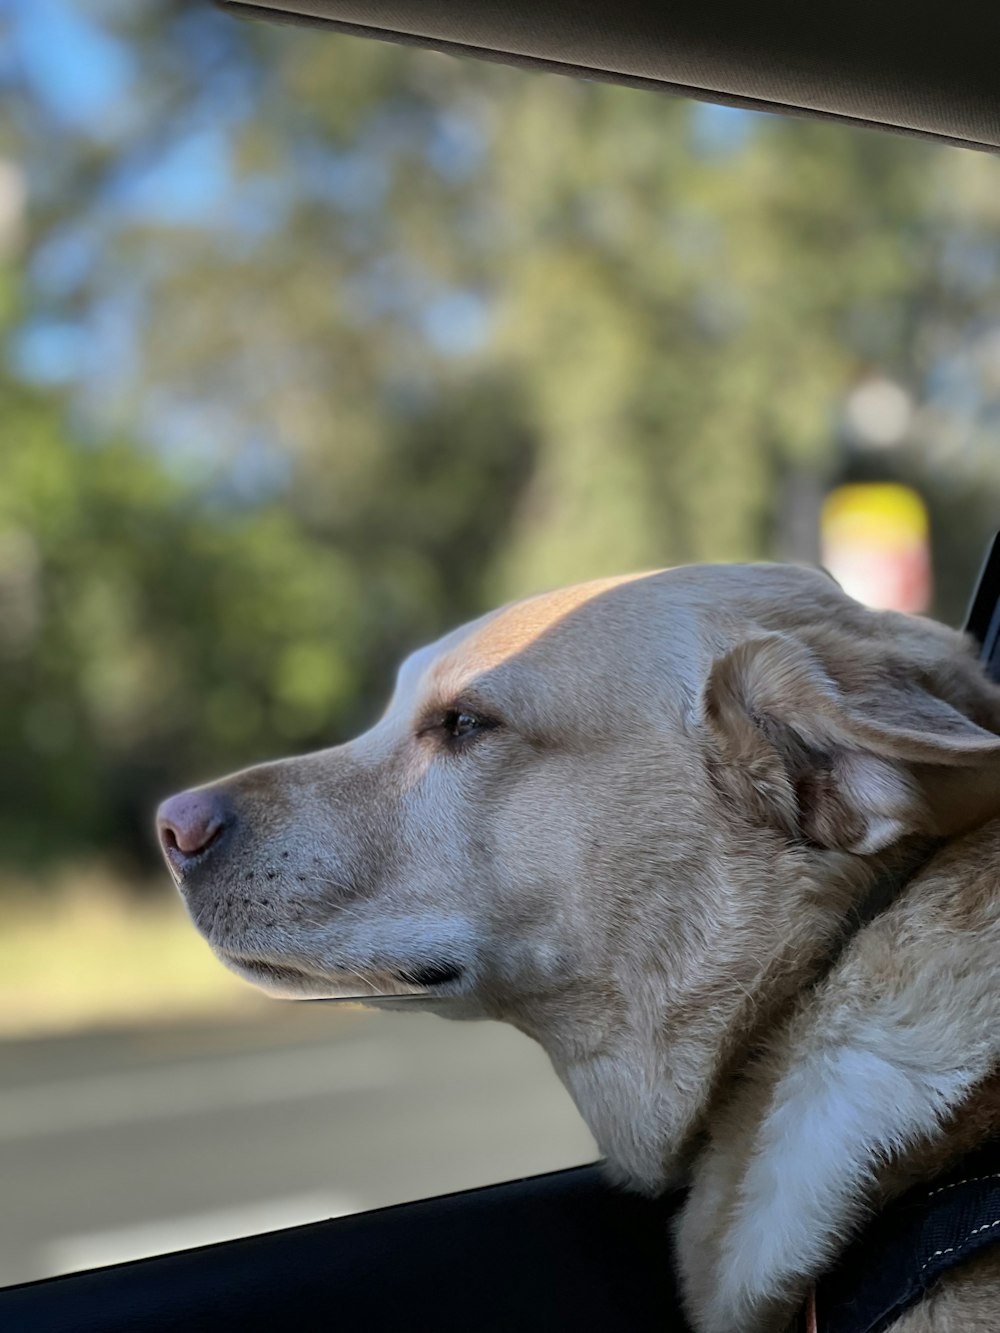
(875, 541)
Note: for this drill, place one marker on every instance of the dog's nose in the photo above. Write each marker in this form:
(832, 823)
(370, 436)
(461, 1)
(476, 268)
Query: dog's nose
(188, 824)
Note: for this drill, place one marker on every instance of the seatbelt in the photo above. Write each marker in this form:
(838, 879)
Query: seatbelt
(899, 1256)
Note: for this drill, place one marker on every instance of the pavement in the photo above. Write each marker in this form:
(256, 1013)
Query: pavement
(114, 1145)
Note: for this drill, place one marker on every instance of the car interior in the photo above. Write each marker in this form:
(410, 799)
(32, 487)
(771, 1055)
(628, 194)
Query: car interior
(567, 1249)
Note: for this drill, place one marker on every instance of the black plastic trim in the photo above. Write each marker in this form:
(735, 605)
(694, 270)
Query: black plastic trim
(877, 74)
(983, 618)
(560, 1251)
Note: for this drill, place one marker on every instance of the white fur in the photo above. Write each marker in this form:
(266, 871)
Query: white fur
(832, 1117)
(856, 1086)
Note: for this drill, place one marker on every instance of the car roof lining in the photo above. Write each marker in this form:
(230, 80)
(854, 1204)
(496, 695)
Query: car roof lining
(880, 64)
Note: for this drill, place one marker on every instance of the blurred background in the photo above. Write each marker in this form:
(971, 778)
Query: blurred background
(311, 348)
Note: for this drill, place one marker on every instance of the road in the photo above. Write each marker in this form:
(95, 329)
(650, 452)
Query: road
(116, 1145)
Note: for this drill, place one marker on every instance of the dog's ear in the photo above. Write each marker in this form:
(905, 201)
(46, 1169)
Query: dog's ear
(855, 763)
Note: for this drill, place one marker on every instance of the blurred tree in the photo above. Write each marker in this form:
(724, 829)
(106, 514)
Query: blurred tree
(319, 346)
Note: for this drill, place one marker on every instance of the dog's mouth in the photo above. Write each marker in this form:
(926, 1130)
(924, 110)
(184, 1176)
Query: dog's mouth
(431, 974)
(298, 982)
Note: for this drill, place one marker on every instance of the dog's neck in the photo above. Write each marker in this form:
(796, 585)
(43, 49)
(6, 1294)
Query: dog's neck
(795, 1098)
(648, 1055)
(856, 1093)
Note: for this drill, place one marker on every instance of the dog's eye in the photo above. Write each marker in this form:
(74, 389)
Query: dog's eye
(457, 726)
(460, 724)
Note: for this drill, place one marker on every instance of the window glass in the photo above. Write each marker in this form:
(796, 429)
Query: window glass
(312, 349)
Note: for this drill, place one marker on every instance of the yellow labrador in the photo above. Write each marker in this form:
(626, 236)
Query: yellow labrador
(634, 819)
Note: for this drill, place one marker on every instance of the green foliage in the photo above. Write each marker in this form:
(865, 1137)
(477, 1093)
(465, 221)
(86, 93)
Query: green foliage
(438, 334)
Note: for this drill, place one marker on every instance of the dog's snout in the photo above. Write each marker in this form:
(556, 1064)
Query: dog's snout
(190, 823)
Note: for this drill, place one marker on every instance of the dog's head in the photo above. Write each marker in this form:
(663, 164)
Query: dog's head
(604, 814)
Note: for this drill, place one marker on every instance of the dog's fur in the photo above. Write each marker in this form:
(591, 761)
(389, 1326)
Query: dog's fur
(645, 858)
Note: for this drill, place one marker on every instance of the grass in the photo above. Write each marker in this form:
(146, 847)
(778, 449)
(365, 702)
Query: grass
(81, 951)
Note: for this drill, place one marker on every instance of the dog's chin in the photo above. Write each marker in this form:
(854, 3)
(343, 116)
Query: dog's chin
(293, 982)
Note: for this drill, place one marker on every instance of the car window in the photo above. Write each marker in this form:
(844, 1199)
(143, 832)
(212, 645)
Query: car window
(314, 348)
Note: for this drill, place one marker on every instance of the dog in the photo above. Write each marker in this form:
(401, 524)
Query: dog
(638, 818)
